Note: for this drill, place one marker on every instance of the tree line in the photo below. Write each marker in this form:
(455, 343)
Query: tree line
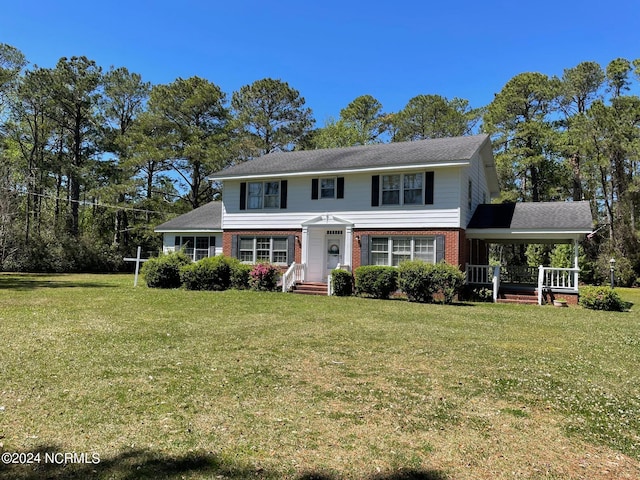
(92, 159)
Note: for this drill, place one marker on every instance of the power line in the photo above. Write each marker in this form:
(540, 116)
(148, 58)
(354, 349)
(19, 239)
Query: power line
(86, 203)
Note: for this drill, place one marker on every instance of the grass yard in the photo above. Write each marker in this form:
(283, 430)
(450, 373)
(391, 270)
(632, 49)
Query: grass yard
(231, 385)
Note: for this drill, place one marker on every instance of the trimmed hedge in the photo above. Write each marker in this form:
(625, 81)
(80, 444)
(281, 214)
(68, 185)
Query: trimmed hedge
(377, 281)
(240, 274)
(164, 271)
(601, 298)
(421, 281)
(342, 283)
(211, 273)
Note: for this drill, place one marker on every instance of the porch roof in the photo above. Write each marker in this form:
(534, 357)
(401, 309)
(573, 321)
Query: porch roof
(536, 222)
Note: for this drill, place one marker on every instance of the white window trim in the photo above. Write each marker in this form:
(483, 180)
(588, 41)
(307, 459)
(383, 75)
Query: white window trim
(194, 250)
(264, 195)
(389, 250)
(401, 190)
(254, 250)
(335, 188)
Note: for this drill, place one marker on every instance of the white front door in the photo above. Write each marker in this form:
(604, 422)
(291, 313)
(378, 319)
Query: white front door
(334, 253)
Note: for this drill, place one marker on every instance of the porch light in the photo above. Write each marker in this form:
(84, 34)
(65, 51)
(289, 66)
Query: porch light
(358, 239)
(612, 267)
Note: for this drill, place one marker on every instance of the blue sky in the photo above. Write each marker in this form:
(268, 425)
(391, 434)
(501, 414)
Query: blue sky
(331, 51)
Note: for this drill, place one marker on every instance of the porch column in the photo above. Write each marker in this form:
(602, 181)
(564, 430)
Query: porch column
(348, 243)
(304, 256)
(575, 264)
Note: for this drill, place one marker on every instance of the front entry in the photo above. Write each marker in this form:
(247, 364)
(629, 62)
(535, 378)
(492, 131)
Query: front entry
(326, 243)
(334, 252)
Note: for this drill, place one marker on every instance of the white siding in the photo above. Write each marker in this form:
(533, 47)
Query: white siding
(476, 173)
(355, 207)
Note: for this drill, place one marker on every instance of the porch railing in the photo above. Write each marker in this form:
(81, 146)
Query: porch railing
(485, 275)
(295, 273)
(519, 275)
(479, 274)
(330, 279)
(557, 279)
(548, 278)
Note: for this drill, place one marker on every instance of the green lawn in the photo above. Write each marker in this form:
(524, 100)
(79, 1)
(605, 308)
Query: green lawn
(179, 384)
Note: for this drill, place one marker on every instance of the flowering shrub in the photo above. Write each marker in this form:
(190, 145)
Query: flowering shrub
(264, 277)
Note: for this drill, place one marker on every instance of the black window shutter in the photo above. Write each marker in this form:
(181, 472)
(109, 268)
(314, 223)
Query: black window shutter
(375, 190)
(340, 191)
(314, 189)
(291, 246)
(364, 250)
(439, 248)
(212, 246)
(234, 246)
(428, 188)
(243, 195)
(177, 241)
(212, 241)
(283, 193)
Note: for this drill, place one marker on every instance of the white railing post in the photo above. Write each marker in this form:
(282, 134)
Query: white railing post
(329, 286)
(496, 282)
(541, 283)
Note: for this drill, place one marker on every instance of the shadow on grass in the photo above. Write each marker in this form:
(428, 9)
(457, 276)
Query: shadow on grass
(48, 462)
(33, 281)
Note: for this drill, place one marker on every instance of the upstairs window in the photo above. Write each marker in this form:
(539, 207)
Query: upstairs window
(402, 189)
(327, 188)
(263, 195)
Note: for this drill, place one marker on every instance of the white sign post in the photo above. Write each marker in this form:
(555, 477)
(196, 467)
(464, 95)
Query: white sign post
(138, 261)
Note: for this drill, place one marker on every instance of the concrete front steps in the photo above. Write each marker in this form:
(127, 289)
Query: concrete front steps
(310, 288)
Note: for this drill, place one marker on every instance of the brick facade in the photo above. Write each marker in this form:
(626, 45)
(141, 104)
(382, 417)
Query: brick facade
(456, 249)
(227, 238)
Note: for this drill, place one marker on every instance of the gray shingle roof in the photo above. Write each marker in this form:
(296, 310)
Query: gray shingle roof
(574, 216)
(206, 217)
(361, 157)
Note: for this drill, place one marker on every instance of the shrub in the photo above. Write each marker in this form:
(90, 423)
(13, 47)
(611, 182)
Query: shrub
(264, 277)
(342, 283)
(164, 271)
(416, 279)
(211, 273)
(240, 274)
(377, 281)
(601, 298)
(448, 281)
(422, 281)
(477, 293)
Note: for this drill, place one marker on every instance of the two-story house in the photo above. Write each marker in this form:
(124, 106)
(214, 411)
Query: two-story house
(374, 204)
(379, 205)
